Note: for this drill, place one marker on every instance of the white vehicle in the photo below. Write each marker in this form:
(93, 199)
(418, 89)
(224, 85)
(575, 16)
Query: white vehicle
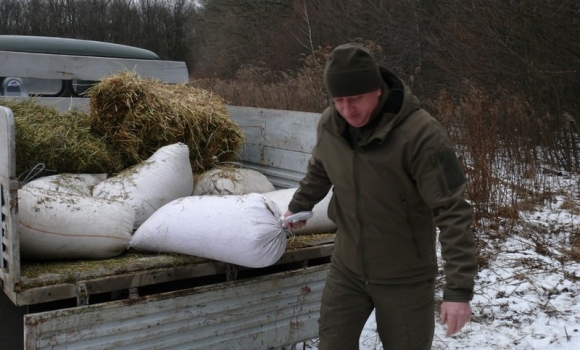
(159, 301)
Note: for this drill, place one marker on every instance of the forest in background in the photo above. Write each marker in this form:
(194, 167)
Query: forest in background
(502, 75)
(529, 47)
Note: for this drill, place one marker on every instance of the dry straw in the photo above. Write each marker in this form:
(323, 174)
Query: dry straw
(141, 115)
(57, 142)
(35, 273)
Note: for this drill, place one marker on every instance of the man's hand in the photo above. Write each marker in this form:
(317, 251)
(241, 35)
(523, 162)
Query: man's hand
(296, 225)
(455, 314)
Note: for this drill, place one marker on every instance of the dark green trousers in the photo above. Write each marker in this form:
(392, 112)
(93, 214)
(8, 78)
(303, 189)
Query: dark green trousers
(405, 314)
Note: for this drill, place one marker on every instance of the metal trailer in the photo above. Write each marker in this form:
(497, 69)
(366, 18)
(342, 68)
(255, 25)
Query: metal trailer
(165, 301)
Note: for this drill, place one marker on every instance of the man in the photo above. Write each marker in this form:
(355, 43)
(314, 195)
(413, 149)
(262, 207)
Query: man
(395, 178)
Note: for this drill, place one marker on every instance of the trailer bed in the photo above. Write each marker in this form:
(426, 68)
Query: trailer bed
(45, 281)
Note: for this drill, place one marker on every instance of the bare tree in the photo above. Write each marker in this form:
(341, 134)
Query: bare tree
(304, 35)
(13, 17)
(239, 32)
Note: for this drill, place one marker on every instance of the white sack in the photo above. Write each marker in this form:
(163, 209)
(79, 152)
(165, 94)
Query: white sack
(53, 225)
(147, 186)
(243, 230)
(80, 184)
(319, 223)
(231, 181)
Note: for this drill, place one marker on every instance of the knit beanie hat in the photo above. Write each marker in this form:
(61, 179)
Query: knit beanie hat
(351, 70)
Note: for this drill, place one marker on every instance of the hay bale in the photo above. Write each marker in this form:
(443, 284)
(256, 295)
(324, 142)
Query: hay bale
(142, 115)
(63, 142)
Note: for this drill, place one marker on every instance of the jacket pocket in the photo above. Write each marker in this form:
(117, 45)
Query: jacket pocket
(410, 225)
(449, 173)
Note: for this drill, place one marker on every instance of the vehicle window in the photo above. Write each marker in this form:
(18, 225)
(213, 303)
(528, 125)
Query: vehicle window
(43, 87)
(81, 86)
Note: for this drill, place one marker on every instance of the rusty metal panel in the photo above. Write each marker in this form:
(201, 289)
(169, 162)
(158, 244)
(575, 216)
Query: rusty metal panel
(258, 313)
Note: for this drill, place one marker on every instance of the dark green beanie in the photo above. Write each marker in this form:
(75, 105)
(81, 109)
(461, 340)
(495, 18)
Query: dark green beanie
(351, 70)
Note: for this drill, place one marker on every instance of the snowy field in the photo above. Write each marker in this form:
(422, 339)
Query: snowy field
(527, 293)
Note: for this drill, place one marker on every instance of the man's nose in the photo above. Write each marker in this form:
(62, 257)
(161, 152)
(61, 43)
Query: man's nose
(348, 106)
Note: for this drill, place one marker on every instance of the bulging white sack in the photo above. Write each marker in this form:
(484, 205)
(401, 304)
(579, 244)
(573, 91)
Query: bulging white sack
(243, 230)
(80, 184)
(226, 181)
(147, 186)
(54, 225)
(318, 223)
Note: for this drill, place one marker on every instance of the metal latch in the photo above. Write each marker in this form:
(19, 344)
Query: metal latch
(82, 294)
(133, 293)
(231, 272)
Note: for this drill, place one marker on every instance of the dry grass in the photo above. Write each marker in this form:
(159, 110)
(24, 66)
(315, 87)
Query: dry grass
(299, 241)
(37, 274)
(49, 142)
(130, 119)
(257, 86)
(142, 115)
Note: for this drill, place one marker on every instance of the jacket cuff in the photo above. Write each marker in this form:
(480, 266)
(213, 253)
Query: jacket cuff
(457, 294)
(294, 208)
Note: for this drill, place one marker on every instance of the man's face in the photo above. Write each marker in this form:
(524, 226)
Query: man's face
(357, 110)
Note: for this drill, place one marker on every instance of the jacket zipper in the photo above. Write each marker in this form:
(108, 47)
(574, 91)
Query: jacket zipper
(358, 207)
(359, 216)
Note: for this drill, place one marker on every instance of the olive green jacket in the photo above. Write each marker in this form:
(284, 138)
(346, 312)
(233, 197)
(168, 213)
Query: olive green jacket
(394, 182)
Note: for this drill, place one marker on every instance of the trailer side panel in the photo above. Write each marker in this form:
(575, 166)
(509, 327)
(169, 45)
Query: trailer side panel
(261, 313)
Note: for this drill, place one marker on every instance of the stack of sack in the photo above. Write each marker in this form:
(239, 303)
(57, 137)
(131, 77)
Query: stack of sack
(226, 219)
(85, 216)
(232, 215)
(154, 207)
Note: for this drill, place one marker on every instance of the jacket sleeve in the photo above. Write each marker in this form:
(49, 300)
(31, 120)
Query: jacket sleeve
(441, 183)
(315, 184)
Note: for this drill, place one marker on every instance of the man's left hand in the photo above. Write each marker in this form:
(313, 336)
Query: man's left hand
(455, 314)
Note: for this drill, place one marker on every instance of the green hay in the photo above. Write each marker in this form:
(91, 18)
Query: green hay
(37, 274)
(142, 115)
(64, 143)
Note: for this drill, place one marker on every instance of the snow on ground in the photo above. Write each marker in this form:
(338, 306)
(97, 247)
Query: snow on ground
(528, 289)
